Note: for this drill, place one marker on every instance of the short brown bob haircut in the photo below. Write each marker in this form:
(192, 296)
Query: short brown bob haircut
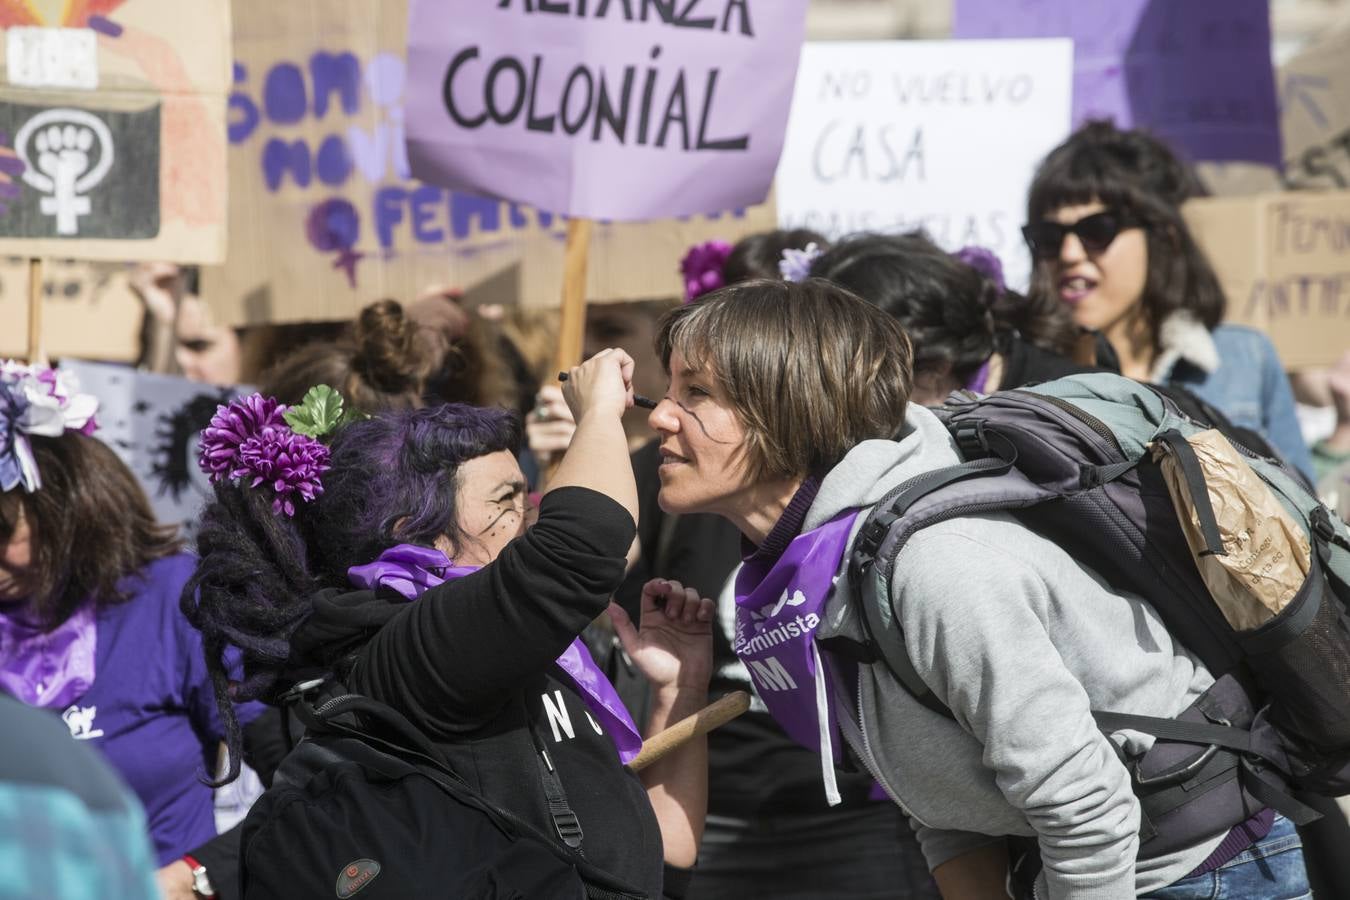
(810, 369)
(90, 524)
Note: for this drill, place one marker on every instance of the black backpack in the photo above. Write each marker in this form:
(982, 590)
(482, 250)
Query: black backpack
(1070, 460)
(367, 806)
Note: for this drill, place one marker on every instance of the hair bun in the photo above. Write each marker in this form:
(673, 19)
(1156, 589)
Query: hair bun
(388, 354)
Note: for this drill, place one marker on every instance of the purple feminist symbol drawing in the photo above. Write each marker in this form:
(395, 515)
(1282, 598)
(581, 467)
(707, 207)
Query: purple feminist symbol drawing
(333, 227)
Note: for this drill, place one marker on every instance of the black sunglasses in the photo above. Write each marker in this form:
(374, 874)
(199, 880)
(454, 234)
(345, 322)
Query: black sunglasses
(1095, 232)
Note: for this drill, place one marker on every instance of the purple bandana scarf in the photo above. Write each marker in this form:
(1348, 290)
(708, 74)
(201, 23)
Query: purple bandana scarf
(48, 668)
(410, 570)
(980, 379)
(777, 614)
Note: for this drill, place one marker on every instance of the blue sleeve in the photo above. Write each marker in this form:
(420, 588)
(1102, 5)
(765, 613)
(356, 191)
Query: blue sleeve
(1277, 412)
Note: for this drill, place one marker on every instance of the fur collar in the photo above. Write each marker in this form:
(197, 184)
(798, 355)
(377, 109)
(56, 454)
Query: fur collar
(1183, 336)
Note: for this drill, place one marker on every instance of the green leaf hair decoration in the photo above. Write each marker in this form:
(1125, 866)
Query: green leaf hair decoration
(319, 413)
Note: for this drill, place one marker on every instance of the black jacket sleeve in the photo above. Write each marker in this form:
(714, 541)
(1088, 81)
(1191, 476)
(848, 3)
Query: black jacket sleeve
(449, 660)
(264, 749)
(220, 856)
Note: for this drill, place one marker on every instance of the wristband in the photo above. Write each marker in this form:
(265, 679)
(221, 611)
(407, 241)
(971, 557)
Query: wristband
(201, 884)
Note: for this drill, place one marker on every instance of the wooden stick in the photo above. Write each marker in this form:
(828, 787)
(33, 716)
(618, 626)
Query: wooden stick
(682, 732)
(572, 332)
(36, 354)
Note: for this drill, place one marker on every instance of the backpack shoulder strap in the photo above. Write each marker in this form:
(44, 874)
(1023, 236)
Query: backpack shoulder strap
(352, 715)
(923, 500)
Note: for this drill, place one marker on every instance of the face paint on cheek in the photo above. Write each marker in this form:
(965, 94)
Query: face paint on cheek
(704, 428)
(492, 526)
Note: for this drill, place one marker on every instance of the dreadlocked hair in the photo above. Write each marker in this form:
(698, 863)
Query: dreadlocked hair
(251, 591)
(392, 479)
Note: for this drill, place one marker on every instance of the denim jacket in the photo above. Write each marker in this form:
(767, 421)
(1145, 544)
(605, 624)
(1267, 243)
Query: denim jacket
(1237, 370)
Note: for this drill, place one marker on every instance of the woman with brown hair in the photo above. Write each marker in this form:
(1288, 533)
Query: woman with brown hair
(384, 362)
(780, 416)
(391, 357)
(89, 621)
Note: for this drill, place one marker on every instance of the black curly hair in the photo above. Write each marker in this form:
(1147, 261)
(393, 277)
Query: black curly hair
(1136, 173)
(952, 312)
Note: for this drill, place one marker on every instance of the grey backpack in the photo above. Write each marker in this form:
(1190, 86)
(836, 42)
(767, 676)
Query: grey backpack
(1070, 459)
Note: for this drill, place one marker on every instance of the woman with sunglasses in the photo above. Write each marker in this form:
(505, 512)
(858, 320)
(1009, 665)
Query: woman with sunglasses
(1105, 230)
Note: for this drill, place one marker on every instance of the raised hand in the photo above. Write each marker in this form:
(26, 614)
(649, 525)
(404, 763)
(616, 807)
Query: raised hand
(603, 383)
(673, 645)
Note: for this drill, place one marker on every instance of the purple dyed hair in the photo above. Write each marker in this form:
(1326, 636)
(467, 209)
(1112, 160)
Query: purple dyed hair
(392, 479)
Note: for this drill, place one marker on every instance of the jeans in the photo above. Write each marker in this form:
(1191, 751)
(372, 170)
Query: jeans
(1272, 869)
(846, 854)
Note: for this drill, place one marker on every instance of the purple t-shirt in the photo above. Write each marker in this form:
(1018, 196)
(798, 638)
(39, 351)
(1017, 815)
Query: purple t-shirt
(151, 710)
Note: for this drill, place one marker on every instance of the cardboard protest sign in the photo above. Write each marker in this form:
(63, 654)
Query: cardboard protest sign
(152, 423)
(1315, 114)
(88, 309)
(1198, 73)
(112, 129)
(1284, 262)
(940, 135)
(619, 111)
(326, 216)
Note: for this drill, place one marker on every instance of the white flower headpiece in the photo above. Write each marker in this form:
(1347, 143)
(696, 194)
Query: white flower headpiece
(37, 400)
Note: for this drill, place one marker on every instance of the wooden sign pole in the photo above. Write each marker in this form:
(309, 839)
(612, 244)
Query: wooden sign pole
(682, 732)
(36, 355)
(572, 332)
(572, 328)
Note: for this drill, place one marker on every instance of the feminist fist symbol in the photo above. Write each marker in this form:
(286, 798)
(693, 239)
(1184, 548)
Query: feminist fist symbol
(63, 141)
(63, 154)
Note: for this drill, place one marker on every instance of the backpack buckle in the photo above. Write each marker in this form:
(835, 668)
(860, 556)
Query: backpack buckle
(568, 827)
(1320, 520)
(971, 439)
(872, 534)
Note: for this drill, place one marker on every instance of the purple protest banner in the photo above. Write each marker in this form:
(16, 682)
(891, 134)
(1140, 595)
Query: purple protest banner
(1197, 73)
(609, 109)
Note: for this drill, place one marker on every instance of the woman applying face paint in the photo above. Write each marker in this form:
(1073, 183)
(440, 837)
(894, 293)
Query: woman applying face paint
(421, 578)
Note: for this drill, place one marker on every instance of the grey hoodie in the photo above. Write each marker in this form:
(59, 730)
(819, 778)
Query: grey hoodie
(1020, 642)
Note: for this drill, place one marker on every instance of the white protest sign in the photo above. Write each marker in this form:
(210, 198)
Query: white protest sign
(941, 135)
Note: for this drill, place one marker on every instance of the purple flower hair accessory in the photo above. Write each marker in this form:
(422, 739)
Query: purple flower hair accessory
(984, 261)
(230, 428)
(796, 264)
(250, 439)
(291, 463)
(702, 268)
